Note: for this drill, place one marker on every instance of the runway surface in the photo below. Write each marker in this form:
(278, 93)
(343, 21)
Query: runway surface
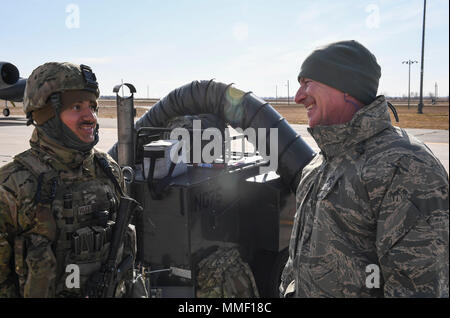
(14, 137)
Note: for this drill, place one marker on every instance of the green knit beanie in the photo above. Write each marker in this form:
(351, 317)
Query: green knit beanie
(347, 66)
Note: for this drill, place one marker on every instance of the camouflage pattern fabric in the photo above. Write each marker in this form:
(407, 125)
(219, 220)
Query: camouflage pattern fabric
(50, 78)
(30, 265)
(223, 274)
(374, 195)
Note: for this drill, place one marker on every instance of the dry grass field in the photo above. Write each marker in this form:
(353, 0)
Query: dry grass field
(434, 116)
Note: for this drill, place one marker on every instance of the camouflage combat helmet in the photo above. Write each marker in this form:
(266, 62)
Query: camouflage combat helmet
(56, 77)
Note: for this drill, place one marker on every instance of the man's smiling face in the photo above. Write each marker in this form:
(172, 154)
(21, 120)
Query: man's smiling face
(81, 118)
(325, 105)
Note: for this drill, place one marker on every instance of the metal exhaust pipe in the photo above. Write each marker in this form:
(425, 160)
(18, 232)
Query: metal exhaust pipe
(125, 126)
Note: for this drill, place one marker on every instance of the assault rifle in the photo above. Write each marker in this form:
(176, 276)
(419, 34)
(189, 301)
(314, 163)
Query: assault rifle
(103, 283)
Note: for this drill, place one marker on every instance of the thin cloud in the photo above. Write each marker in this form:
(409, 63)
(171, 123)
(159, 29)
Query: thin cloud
(93, 60)
(240, 31)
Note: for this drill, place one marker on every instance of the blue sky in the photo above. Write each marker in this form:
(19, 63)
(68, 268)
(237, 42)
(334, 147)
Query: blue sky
(257, 44)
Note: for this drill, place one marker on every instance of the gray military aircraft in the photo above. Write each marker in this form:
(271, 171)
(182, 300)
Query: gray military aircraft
(12, 86)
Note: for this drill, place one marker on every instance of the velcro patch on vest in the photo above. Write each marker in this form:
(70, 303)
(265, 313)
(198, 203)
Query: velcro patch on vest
(85, 209)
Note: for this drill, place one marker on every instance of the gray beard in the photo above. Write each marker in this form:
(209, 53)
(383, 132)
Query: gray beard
(59, 132)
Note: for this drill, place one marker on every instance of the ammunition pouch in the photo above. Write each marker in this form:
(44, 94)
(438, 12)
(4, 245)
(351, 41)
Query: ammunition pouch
(41, 264)
(91, 239)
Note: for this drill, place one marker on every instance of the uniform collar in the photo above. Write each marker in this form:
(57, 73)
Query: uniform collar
(59, 156)
(367, 122)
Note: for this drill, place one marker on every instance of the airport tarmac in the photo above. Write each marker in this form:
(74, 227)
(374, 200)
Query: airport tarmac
(14, 137)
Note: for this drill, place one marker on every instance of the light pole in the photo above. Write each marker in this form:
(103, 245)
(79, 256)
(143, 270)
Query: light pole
(288, 91)
(420, 106)
(276, 94)
(435, 91)
(409, 62)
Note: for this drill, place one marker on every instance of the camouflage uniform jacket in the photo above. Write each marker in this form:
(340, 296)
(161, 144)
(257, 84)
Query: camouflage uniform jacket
(21, 216)
(374, 195)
